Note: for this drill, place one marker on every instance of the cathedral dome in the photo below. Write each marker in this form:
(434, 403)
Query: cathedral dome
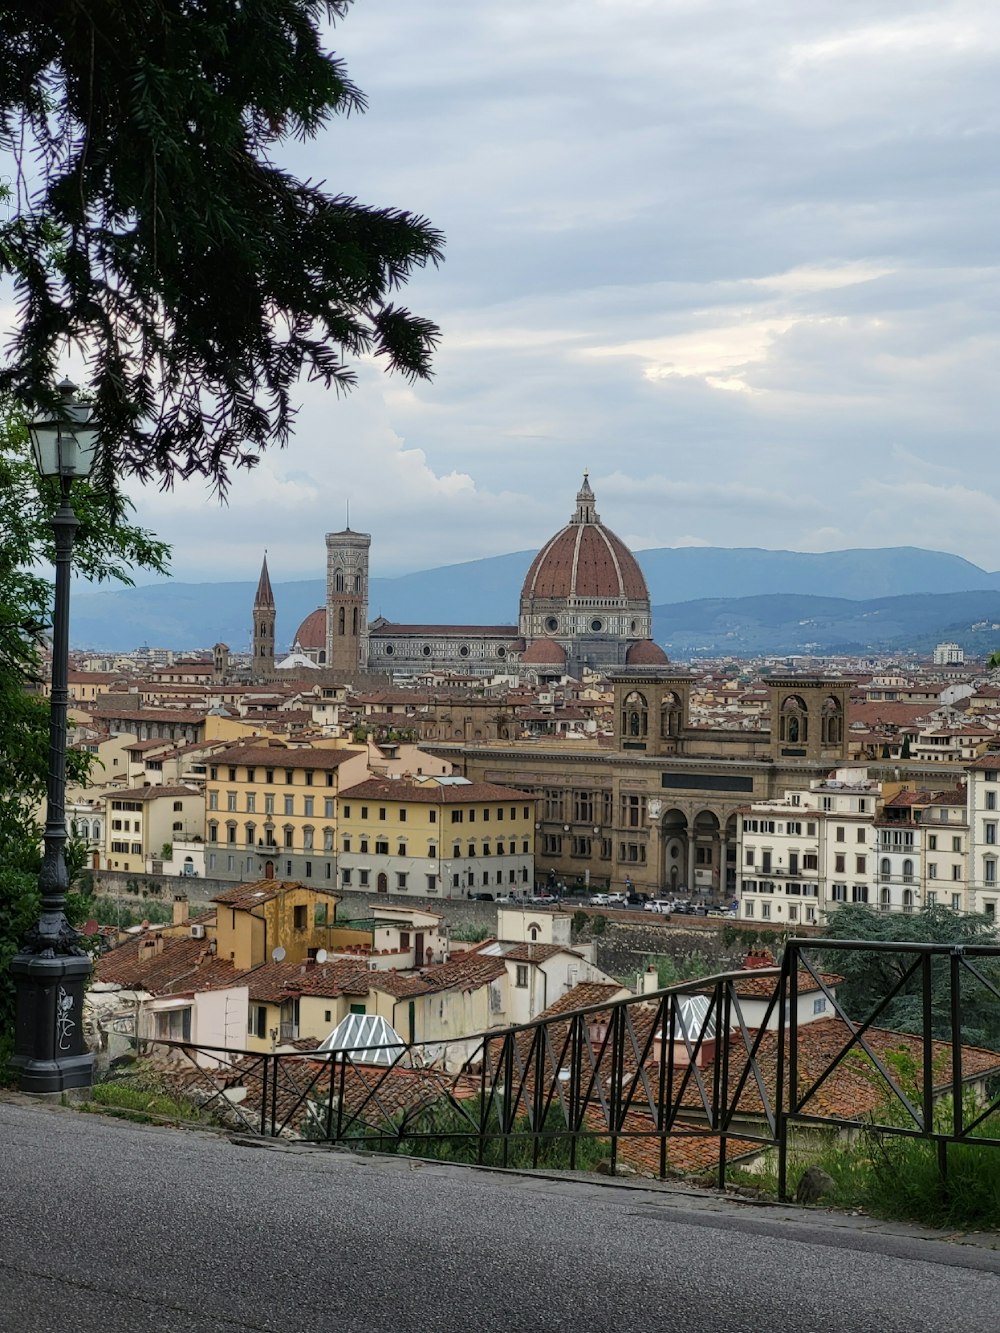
(585, 560)
(312, 632)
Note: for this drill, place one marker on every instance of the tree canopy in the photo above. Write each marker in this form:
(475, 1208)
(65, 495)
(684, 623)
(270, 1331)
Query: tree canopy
(868, 977)
(152, 227)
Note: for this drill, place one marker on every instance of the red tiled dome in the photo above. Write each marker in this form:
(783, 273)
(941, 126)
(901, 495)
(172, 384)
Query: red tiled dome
(312, 632)
(646, 653)
(585, 559)
(544, 652)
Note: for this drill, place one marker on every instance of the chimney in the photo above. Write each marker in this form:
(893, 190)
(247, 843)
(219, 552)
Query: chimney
(180, 908)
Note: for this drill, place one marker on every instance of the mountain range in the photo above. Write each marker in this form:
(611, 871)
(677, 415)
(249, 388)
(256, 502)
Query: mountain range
(706, 600)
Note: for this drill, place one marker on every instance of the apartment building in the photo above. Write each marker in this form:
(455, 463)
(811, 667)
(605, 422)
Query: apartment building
(984, 841)
(921, 848)
(438, 836)
(807, 853)
(141, 821)
(271, 810)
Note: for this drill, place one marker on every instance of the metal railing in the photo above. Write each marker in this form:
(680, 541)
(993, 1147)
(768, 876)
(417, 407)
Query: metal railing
(690, 1077)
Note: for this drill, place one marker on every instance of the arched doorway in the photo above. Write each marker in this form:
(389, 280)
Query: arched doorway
(383, 882)
(674, 832)
(704, 854)
(269, 870)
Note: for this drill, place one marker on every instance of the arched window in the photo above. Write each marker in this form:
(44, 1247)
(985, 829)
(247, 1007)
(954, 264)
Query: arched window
(83, 829)
(832, 722)
(907, 870)
(338, 580)
(307, 838)
(635, 716)
(884, 897)
(794, 721)
(213, 831)
(670, 716)
(251, 831)
(907, 900)
(533, 933)
(341, 622)
(885, 867)
(328, 840)
(355, 619)
(95, 830)
(357, 582)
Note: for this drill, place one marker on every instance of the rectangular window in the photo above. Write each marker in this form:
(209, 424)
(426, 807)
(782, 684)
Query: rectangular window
(258, 1020)
(363, 878)
(402, 815)
(400, 879)
(269, 803)
(838, 893)
(819, 1006)
(932, 842)
(990, 831)
(309, 870)
(381, 847)
(840, 833)
(861, 835)
(213, 800)
(288, 869)
(309, 778)
(230, 800)
(990, 872)
(457, 816)
(839, 864)
(328, 807)
(432, 816)
(956, 844)
(521, 978)
(956, 902)
(345, 878)
(300, 916)
(289, 836)
(859, 893)
(308, 802)
(289, 777)
(251, 802)
(956, 872)
(859, 865)
(432, 883)
(991, 800)
(932, 870)
(381, 812)
(289, 805)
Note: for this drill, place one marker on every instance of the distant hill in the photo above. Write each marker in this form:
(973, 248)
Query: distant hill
(196, 615)
(749, 626)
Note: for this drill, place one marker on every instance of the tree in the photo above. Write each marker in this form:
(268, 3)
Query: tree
(994, 661)
(152, 227)
(868, 977)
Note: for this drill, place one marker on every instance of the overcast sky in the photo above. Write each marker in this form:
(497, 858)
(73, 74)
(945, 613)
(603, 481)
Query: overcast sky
(740, 261)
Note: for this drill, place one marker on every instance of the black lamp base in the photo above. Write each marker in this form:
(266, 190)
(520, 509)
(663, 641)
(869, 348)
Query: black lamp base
(50, 1053)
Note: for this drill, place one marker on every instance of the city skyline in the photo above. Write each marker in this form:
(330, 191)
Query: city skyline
(741, 269)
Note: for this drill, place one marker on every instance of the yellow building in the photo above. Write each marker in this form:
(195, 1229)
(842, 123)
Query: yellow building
(449, 838)
(271, 810)
(254, 920)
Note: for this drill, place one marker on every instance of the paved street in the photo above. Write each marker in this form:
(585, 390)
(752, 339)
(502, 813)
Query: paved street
(108, 1227)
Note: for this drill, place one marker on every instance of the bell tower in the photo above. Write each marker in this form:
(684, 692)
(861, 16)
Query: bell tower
(263, 627)
(347, 601)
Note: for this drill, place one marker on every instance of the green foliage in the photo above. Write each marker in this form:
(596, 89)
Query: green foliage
(447, 1134)
(128, 1097)
(470, 934)
(669, 970)
(152, 223)
(994, 661)
(870, 976)
(598, 924)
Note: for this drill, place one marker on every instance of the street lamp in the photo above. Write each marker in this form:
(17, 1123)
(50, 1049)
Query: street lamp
(51, 969)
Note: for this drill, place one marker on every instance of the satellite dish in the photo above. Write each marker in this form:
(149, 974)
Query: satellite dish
(278, 954)
(321, 955)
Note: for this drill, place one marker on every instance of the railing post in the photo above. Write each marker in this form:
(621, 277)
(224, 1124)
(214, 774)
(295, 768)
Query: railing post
(506, 1122)
(265, 1078)
(274, 1094)
(928, 1061)
(666, 1052)
(538, 1098)
(957, 1109)
(724, 1093)
(617, 1066)
(484, 1103)
(790, 961)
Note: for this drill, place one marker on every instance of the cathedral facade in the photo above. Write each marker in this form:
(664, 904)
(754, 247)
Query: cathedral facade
(584, 606)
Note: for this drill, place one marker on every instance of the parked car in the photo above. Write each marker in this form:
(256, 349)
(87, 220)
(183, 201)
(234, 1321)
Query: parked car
(543, 899)
(482, 897)
(637, 899)
(600, 900)
(661, 905)
(615, 899)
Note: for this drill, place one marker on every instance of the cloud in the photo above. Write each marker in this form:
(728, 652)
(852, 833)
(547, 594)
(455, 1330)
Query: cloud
(742, 263)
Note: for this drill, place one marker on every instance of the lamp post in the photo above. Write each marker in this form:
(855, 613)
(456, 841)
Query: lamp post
(51, 969)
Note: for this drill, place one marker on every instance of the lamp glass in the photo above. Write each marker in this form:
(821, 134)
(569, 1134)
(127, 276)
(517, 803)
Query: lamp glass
(65, 448)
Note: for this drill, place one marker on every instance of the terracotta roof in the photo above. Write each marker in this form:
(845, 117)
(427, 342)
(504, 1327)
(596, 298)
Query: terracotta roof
(245, 896)
(585, 560)
(284, 756)
(388, 629)
(432, 793)
(584, 994)
(991, 760)
(150, 793)
(165, 964)
(271, 983)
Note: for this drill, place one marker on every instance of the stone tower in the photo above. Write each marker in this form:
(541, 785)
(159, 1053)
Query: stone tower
(262, 667)
(347, 601)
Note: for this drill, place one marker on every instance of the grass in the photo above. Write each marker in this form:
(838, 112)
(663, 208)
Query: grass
(139, 1101)
(897, 1178)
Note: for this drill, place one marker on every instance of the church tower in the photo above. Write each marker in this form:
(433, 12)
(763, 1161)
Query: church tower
(263, 628)
(347, 601)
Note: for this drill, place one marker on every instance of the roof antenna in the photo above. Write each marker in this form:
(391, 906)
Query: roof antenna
(348, 516)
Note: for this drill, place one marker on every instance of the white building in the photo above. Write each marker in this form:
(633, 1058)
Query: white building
(948, 654)
(984, 815)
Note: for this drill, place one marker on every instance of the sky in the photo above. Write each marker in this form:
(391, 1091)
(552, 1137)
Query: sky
(739, 261)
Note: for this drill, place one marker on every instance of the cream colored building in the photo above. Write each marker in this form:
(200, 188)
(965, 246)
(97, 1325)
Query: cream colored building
(140, 821)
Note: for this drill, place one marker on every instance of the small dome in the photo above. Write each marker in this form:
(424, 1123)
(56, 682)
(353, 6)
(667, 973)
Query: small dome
(544, 652)
(646, 653)
(312, 632)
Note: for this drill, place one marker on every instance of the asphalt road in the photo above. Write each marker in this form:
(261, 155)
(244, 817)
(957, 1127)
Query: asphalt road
(108, 1227)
